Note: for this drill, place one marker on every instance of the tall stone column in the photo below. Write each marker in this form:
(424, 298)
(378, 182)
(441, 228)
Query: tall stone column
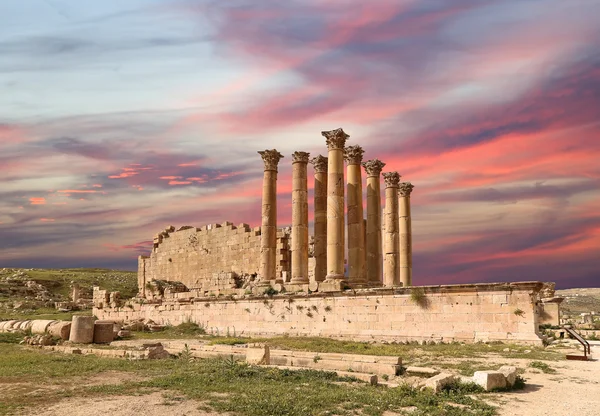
(336, 140)
(374, 244)
(404, 224)
(299, 218)
(356, 234)
(268, 231)
(320, 223)
(391, 265)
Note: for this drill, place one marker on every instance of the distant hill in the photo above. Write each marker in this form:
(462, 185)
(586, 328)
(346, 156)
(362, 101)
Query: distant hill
(26, 293)
(578, 301)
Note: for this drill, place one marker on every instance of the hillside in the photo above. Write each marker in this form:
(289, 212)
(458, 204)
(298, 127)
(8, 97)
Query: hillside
(34, 292)
(578, 301)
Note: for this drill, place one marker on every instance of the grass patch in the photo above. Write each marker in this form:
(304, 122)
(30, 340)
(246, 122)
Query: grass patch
(545, 368)
(182, 331)
(406, 351)
(229, 386)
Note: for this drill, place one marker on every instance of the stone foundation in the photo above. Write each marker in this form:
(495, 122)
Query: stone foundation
(477, 312)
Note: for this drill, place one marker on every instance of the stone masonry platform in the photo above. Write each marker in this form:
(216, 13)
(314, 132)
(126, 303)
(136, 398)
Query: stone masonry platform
(470, 313)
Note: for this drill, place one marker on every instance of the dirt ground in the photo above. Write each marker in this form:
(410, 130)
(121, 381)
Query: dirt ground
(573, 390)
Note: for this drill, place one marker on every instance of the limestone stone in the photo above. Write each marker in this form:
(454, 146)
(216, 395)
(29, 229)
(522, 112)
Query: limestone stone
(489, 380)
(405, 229)
(258, 355)
(336, 140)
(268, 240)
(421, 371)
(82, 329)
(103, 332)
(60, 329)
(356, 233)
(438, 382)
(391, 267)
(41, 326)
(299, 218)
(374, 257)
(320, 218)
(510, 373)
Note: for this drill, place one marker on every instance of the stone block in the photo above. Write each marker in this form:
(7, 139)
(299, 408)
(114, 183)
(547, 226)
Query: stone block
(437, 383)
(510, 373)
(103, 332)
(60, 329)
(421, 371)
(259, 355)
(489, 380)
(82, 329)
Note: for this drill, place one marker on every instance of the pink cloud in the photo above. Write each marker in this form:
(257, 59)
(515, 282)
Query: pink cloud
(37, 201)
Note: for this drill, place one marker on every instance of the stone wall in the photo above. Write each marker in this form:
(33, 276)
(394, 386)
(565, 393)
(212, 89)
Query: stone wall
(193, 255)
(480, 312)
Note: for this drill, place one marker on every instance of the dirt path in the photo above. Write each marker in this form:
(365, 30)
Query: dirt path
(154, 404)
(573, 390)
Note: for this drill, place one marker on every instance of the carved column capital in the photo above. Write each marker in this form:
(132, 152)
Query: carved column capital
(320, 164)
(300, 157)
(391, 179)
(336, 139)
(353, 154)
(271, 158)
(373, 167)
(405, 188)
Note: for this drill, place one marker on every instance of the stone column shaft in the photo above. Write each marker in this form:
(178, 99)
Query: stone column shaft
(391, 266)
(299, 218)
(404, 223)
(268, 231)
(336, 139)
(374, 237)
(356, 245)
(320, 220)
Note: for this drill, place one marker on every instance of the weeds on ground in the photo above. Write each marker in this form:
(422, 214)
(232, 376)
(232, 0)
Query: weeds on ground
(229, 386)
(545, 368)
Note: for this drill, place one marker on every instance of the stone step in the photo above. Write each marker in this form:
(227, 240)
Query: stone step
(369, 378)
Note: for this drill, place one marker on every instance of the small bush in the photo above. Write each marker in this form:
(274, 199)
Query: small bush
(270, 291)
(417, 295)
(519, 312)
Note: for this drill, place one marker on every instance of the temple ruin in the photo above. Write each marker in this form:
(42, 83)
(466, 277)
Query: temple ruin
(225, 276)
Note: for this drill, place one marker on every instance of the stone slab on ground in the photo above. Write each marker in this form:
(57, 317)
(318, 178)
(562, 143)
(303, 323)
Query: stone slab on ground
(490, 380)
(510, 374)
(437, 383)
(369, 378)
(421, 371)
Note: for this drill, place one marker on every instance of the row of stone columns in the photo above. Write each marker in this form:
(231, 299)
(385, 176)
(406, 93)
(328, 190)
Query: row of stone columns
(364, 238)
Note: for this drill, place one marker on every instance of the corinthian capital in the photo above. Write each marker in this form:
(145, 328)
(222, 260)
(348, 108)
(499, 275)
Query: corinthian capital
(320, 164)
(271, 159)
(336, 139)
(300, 157)
(405, 188)
(353, 154)
(373, 167)
(391, 179)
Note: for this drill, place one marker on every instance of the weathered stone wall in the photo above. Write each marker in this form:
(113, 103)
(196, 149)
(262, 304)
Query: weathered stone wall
(192, 255)
(480, 312)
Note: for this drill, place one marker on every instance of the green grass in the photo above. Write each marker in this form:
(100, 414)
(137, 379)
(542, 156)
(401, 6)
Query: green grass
(545, 368)
(406, 351)
(185, 330)
(58, 283)
(222, 384)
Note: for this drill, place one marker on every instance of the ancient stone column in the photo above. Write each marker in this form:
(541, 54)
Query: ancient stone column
(299, 218)
(268, 231)
(391, 265)
(320, 222)
(336, 140)
(404, 224)
(356, 237)
(374, 245)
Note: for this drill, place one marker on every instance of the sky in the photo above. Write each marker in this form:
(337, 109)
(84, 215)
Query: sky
(121, 117)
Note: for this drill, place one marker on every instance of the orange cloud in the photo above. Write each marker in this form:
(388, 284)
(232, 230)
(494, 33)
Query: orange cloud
(37, 201)
(47, 219)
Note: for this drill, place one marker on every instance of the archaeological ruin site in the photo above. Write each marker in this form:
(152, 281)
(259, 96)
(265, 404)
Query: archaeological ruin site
(272, 281)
